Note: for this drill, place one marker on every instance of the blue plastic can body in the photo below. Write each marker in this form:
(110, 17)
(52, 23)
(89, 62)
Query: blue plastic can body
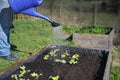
(21, 5)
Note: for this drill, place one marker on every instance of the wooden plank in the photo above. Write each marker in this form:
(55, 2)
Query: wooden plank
(94, 41)
(108, 66)
(91, 41)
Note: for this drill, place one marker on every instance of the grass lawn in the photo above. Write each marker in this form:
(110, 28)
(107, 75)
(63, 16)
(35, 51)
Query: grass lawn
(115, 73)
(32, 35)
(115, 70)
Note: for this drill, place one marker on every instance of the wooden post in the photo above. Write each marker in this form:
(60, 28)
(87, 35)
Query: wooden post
(15, 16)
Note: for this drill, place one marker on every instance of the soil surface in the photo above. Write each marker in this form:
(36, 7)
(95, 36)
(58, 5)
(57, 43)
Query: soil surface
(89, 67)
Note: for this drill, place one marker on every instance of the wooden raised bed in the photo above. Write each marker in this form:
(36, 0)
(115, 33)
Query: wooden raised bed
(92, 65)
(94, 41)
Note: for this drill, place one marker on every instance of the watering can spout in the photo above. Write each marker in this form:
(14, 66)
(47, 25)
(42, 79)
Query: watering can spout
(32, 12)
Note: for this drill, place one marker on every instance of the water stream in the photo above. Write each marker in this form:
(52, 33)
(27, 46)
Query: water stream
(57, 35)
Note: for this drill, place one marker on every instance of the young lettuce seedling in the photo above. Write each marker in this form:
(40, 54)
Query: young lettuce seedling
(35, 75)
(19, 76)
(74, 59)
(54, 77)
(65, 54)
(46, 57)
(51, 54)
(61, 61)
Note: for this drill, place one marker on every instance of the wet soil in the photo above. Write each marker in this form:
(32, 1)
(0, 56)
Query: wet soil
(90, 66)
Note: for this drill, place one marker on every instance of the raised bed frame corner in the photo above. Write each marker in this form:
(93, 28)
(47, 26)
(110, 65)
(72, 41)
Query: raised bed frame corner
(94, 41)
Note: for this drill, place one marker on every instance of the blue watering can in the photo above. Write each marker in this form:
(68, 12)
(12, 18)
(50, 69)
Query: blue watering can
(27, 7)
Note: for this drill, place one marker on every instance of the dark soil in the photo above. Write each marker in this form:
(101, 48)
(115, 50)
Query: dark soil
(90, 66)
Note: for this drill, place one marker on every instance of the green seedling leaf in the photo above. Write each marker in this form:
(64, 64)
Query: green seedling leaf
(14, 76)
(74, 59)
(65, 54)
(59, 60)
(75, 56)
(46, 57)
(63, 61)
(53, 52)
(21, 79)
(22, 67)
(41, 74)
(34, 74)
(22, 73)
(54, 77)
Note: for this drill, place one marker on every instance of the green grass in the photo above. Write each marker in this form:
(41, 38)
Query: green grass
(115, 70)
(70, 29)
(31, 36)
(115, 73)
